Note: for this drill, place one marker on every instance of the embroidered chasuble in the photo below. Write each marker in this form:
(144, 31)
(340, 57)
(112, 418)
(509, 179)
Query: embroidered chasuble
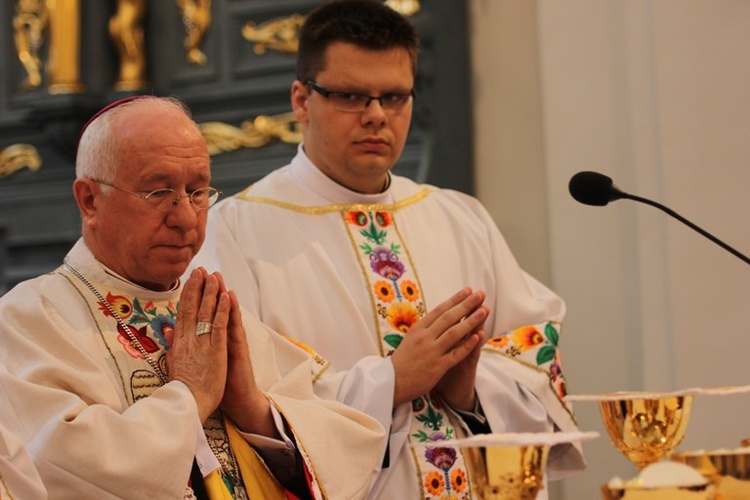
(398, 304)
(350, 273)
(149, 321)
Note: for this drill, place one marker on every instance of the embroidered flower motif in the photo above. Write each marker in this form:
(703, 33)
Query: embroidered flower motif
(498, 342)
(385, 291)
(384, 219)
(140, 334)
(385, 263)
(410, 291)
(458, 480)
(120, 304)
(527, 337)
(401, 316)
(441, 457)
(162, 325)
(434, 483)
(357, 218)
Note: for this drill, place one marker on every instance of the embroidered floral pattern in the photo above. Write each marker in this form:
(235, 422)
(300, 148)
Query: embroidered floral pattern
(401, 316)
(434, 483)
(120, 304)
(535, 345)
(384, 291)
(409, 290)
(398, 306)
(134, 313)
(458, 480)
(140, 334)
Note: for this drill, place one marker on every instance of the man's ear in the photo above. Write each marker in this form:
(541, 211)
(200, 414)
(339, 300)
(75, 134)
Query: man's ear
(86, 191)
(300, 95)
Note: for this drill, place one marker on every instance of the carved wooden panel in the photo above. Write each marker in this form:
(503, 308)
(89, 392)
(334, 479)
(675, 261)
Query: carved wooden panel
(231, 64)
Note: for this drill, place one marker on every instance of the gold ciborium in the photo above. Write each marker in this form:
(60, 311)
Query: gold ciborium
(512, 466)
(507, 472)
(729, 470)
(646, 429)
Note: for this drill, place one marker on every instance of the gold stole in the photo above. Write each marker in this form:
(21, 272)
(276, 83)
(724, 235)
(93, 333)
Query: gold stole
(149, 321)
(398, 303)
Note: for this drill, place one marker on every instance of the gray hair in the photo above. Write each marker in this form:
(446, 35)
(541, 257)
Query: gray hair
(98, 155)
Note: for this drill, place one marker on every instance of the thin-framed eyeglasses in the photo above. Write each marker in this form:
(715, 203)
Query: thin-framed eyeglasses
(165, 199)
(352, 102)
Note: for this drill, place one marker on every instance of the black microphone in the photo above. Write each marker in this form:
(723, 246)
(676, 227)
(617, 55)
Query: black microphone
(593, 188)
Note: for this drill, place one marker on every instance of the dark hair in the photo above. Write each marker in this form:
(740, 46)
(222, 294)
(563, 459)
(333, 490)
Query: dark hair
(369, 24)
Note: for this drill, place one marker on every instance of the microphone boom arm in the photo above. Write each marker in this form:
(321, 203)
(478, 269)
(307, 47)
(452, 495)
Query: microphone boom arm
(686, 222)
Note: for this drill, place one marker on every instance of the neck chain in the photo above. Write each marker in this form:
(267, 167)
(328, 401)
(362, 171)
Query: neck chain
(231, 470)
(133, 339)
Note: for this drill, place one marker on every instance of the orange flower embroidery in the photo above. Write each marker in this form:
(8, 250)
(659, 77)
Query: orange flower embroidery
(120, 304)
(357, 218)
(385, 291)
(410, 290)
(434, 483)
(527, 337)
(402, 316)
(499, 342)
(458, 480)
(384, 219)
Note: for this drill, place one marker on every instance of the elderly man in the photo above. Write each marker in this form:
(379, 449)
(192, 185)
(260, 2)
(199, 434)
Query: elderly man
(335, 251)
(116, 371)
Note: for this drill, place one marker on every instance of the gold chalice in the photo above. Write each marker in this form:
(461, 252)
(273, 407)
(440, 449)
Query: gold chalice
(646, 429)
(512, 466)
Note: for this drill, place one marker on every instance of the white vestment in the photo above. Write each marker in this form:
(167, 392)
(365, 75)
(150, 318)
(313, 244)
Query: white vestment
(284, 245)
(18, 476)
(97, 429)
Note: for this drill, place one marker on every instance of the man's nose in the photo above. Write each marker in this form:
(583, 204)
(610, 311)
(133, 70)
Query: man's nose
(182, 214)
(374, 113)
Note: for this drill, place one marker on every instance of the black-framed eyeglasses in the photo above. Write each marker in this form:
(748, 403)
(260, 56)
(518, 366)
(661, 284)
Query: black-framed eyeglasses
(354, 103)
(165, 199)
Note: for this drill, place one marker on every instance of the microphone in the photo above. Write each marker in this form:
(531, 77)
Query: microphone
(593, 188)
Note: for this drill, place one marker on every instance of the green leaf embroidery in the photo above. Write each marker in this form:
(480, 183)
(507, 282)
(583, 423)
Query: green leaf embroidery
(393, 339)
(545, 355)
(420, 436)
(431, 419)
(138, 315)
(551, 333)
(373, 234)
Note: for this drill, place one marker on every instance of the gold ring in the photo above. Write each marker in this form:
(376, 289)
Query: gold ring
(203, 327)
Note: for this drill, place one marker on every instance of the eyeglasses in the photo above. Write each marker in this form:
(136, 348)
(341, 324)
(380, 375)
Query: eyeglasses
(165, 199)
(356, 103)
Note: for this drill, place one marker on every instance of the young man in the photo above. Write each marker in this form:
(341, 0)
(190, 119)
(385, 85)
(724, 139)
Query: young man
(335, 251)
(115, 371)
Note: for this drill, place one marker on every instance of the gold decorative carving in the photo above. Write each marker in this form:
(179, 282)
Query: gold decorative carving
(17, 156)
(196, 16)
(126, 30)
(405, 7)
(29, 23)
(257, 133)
(65, 41)
(281, 34)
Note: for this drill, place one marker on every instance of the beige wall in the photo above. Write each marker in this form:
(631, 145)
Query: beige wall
(655, 94)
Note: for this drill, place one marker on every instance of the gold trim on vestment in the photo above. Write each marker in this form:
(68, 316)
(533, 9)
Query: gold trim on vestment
(301, 447)
(338, 207)
(535, 368)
